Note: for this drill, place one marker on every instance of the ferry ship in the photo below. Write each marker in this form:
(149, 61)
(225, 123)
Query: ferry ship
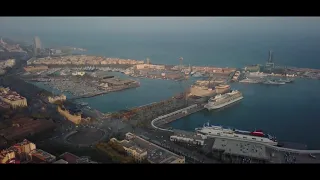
(251, 81)
(220, 101)
(254, 136)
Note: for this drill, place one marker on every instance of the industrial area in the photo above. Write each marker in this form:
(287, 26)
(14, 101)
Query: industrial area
(137, 134)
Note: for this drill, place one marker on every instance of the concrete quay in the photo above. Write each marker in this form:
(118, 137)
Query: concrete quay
(161, 120)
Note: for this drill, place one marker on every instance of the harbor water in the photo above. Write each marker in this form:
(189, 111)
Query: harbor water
(290, 112)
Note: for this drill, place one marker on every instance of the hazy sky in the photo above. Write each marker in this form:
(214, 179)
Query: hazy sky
(159, 24)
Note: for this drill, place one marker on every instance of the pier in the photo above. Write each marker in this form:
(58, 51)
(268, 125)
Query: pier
(165, 119)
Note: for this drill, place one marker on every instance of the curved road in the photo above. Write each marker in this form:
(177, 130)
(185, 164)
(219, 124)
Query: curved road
(170, 115)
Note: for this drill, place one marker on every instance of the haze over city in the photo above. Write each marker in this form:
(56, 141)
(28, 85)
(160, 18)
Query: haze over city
(161, 24)
(159, 90)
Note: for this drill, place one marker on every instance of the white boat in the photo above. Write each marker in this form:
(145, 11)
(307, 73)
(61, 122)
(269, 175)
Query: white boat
(220, 101)
(254, 136)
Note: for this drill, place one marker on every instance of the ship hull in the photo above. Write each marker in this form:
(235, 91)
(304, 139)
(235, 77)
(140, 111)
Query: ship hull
(212, 107)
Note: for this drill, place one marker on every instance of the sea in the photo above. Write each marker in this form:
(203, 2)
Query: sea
(290, 112)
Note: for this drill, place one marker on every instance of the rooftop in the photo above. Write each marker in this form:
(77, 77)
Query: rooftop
(156, 154)
(43, 155)
(24, 142)
(6, 93)
(70, 158)
(61, 161)
(132, 145)
(241, 148)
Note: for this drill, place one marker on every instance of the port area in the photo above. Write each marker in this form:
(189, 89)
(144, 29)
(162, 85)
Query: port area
(225, 149)
(79, 83)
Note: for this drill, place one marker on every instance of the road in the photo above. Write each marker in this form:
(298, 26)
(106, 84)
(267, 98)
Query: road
(162, 138)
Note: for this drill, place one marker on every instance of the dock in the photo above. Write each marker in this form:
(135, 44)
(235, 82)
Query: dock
(104, 92)
(168, 118)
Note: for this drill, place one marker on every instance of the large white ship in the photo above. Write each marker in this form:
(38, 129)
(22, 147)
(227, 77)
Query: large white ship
(220, 101)
(257, 75)
(254, 136)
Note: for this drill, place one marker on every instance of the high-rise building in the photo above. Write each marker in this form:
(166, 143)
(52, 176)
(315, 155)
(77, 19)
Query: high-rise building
(37, 45)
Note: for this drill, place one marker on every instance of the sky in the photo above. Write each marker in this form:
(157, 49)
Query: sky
(160, 24)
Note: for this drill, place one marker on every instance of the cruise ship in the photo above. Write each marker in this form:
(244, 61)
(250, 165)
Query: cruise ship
(220, 101)
(254, 136)
(257, 74)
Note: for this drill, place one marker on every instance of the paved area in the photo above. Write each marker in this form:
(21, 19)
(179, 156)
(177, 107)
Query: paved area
(240, 148)
(292, 158)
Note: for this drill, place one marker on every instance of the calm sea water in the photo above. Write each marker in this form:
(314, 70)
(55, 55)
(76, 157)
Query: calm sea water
(290, 112)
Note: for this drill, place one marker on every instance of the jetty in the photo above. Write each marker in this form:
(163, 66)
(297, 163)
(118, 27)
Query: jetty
(168, 118)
